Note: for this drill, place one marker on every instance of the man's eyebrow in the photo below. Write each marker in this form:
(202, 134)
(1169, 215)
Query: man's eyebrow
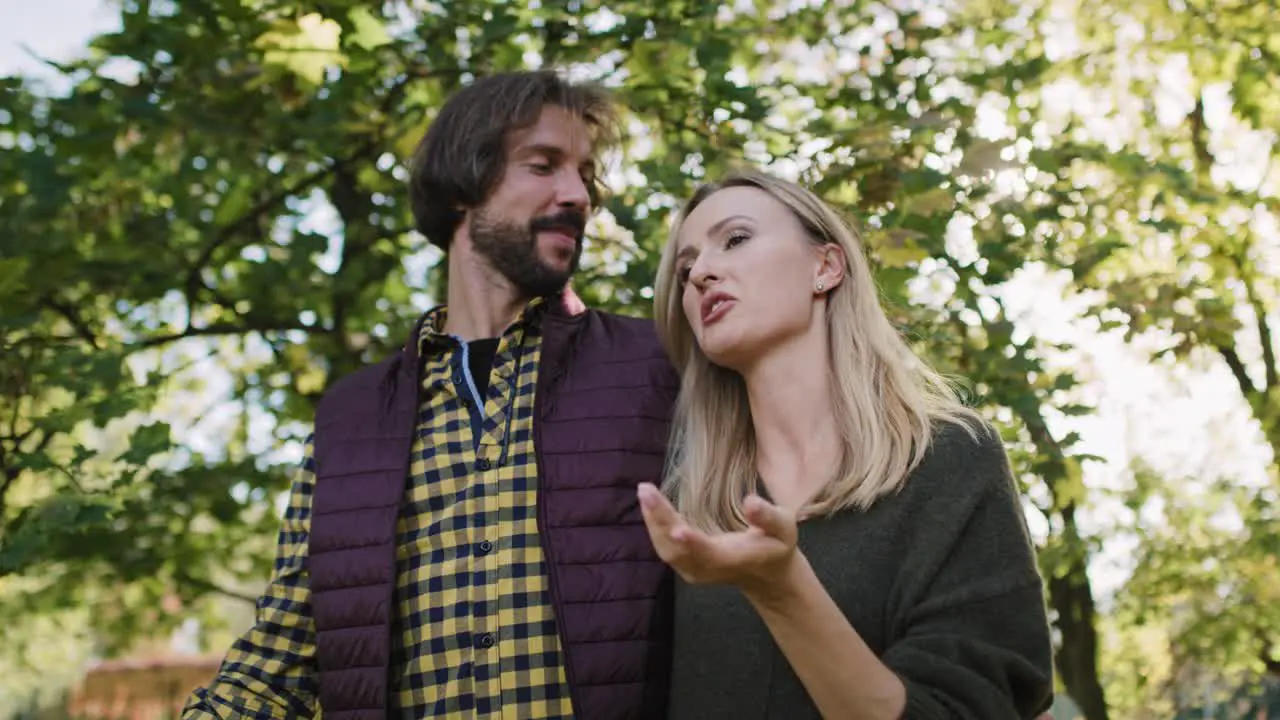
(551, 151)
(554, 153)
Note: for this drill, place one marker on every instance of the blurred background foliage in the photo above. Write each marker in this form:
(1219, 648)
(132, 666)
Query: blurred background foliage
(204, 223)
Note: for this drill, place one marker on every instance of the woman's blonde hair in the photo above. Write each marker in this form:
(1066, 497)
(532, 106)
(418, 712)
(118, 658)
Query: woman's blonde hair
(887, 401)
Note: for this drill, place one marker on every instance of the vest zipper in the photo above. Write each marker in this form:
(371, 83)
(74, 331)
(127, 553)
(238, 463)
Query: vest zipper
(541, 389)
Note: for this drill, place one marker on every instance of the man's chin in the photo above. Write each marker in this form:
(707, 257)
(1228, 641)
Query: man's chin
(556, 262)
(558, 255)
(549, 281)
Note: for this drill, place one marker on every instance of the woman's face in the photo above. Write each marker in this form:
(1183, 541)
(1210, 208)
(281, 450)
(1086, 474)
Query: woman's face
(748, 273)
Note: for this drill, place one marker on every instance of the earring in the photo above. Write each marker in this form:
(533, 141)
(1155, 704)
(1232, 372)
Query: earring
(820, 286)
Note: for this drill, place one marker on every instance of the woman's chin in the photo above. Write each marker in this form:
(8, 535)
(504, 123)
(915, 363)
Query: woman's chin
(730, 356)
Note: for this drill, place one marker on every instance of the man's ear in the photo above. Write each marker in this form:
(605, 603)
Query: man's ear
(464, 221)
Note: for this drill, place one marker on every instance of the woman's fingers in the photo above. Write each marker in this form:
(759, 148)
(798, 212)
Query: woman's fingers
(724, 557)
(776, 522)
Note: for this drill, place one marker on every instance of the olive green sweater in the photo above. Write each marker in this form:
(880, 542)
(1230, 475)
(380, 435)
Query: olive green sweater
(940, 580)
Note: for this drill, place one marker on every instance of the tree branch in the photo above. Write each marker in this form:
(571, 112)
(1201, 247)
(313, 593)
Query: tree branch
(553, 34)
(1271, 372)
(40, 341)
(344, 194)
(71, 315)
(1199, 138)
(1259, 45)
(1204, 162)
(208, 587)
(1239, 259)
(1232, 359)
(227, 329)
(11, 473)
(1264, 334)
(246, 221)
(45, 437)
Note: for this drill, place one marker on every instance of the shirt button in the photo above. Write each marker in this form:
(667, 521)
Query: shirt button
(485, 641)
(484, 547)
(457, 379)
(482, 464)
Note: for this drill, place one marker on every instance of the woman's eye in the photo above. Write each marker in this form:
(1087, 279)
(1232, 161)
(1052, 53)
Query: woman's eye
(736, 237)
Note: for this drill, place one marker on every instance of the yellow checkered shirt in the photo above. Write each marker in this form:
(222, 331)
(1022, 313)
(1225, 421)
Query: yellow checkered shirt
(476, 634)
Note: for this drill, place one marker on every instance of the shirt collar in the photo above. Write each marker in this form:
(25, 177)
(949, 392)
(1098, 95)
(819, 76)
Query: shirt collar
(432, 335)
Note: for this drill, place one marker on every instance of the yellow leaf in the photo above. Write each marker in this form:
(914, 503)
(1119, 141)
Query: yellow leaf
(1070, 489)
(901, 257)
(13, 275)
(407, 144)
(310, 380)
(896, 247)
(306, 49)
(932, 202)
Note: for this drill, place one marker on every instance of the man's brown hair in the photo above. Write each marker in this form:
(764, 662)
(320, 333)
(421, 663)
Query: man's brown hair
(462, 157)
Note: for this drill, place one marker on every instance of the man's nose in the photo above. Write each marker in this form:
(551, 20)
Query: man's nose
(572, 191)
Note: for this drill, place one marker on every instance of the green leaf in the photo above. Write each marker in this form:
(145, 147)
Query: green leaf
(931, 202)
(896, 247)
(235, 203)
(146, 442)
(370, 31)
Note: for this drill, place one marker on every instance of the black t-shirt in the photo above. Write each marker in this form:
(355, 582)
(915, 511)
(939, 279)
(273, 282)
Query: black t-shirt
(480, 355)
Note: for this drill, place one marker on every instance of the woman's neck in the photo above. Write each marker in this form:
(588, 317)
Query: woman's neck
(797, 443)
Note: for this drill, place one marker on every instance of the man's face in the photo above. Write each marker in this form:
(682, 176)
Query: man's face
(531, 228)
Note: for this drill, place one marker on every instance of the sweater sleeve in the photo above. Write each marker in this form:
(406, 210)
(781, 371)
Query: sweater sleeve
(971, 629)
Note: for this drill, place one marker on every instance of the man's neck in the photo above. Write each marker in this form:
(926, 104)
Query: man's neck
(482, 303)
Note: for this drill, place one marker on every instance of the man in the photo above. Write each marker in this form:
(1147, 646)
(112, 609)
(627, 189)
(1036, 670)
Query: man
(463, 539)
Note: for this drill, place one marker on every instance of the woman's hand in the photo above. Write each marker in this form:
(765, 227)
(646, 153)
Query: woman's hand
(757, 560)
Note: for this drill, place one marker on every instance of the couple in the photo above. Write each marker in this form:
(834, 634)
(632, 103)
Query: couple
(768, 508)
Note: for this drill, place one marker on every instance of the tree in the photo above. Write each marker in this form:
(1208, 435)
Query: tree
(1167, 212)
(1188, 218)
(232, 201)
(1206, 581)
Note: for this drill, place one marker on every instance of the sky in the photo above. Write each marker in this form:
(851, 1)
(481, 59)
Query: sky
(57, 28)
(1182, 421)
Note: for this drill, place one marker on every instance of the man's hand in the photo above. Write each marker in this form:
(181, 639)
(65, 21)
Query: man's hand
(756, 560)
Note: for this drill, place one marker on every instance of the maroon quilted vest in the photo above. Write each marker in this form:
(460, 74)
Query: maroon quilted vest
(604, 397)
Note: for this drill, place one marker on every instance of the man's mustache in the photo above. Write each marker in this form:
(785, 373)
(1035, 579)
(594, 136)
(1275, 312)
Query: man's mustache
(569, 221)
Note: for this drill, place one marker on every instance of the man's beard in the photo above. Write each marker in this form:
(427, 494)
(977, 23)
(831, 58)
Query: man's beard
(512, 249)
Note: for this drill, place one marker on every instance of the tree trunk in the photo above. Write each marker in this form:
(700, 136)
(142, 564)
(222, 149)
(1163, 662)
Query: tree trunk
(1070, 592)
(1071, 596)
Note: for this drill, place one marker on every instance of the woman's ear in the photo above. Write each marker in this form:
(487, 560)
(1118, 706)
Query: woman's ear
(831, 265)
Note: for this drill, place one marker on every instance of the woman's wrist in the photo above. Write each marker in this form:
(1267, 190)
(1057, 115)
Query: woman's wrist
(779, 590)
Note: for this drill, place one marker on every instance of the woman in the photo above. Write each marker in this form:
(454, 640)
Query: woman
(848, 535)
